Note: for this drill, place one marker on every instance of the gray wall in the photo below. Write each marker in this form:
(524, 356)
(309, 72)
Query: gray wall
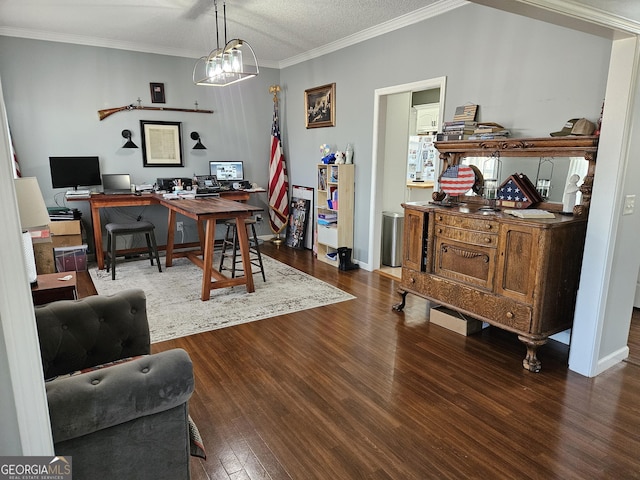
(54, 90)
(522, 78)
(526, 75)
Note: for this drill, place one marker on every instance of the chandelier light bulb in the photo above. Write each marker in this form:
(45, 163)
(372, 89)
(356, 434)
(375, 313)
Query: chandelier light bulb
(236, 60)
(226, 62)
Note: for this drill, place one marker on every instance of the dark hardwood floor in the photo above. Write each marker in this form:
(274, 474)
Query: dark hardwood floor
(357, 391)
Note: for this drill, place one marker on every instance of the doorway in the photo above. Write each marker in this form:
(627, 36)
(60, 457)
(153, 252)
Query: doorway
(389, 153)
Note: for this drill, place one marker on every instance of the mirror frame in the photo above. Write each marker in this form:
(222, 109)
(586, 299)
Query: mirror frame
(452, 152)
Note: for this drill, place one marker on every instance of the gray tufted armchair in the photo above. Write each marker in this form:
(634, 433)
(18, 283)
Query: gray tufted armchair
(128, 420)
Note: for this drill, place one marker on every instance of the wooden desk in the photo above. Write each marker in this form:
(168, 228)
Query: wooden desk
(99, 201)
(50, 288)
(205, 212)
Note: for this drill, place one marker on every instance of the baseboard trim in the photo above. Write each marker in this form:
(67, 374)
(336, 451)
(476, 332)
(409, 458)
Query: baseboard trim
(611, 360)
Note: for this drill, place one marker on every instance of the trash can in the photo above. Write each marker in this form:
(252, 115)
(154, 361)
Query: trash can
(392, 228)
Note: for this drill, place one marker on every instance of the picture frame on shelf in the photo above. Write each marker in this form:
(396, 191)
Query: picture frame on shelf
(157, 92)
(161, 144)
(320, 106)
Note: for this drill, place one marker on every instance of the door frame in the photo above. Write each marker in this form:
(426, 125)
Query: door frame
(377, 160)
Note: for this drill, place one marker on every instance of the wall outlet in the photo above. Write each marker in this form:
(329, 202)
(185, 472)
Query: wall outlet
(179, 226)
(629, 204)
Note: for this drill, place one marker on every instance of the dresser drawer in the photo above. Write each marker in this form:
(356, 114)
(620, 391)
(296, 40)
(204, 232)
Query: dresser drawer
(467, 236)
(494, 309)
(469, 264)
(467, 223)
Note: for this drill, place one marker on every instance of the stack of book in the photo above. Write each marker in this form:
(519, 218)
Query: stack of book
(489, 131)
(63, 213)
(457, 130)
(327, 218)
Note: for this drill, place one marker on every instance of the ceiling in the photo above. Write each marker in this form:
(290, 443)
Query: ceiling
(282, 32)
(276, 29)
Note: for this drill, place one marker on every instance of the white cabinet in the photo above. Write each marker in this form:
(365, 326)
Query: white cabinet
(427, 116)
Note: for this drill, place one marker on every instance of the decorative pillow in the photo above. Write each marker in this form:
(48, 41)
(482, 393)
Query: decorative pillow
(196, 445)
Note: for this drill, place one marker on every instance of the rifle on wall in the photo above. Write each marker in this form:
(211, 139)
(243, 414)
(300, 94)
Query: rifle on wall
(102, 114)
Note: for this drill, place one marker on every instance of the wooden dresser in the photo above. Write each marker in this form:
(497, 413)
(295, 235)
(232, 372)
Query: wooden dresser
(521, 275)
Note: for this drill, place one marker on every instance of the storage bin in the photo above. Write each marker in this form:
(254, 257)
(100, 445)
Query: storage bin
(328, 236)
(71, 259)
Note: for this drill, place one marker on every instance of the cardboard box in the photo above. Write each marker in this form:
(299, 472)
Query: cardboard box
(71, 259)
(65, 227)
(66, 233)
(454, 321)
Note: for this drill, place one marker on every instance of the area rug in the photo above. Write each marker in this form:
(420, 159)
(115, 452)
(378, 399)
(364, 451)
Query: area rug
(174, 307)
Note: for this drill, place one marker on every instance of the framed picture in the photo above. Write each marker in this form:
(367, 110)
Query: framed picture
(161, 144)
(298, 229)
(320, 106)
(157, 92)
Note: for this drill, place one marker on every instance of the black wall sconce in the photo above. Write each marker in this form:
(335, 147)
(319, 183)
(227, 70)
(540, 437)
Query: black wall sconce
(129, 144)
(198, 145)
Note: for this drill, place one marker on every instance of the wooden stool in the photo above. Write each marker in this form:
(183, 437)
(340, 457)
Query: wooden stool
(231, 240)
(115, 229)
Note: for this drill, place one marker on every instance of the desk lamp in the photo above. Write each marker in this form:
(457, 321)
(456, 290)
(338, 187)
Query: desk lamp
(33, 214)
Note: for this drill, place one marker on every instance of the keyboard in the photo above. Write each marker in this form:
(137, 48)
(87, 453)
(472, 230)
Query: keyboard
(206, 194)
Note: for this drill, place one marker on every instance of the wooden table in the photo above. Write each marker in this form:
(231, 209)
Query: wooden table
(205, 211)
(50, 288)
(98, 201)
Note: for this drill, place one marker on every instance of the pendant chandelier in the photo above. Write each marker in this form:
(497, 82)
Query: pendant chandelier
(230, 64)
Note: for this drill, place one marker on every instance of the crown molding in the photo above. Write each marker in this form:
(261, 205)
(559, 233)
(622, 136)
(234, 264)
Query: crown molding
(571, 14)
(430, 11)
(95, 42)
(589, 14)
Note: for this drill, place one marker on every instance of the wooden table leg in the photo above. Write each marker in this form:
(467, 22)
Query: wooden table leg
(201, 234)
(97, 236)
(207, 258)
(243, 240)
(171, 226)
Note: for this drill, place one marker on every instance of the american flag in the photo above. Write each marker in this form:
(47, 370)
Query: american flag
(511, 192)
(278, 180)
(457, 180)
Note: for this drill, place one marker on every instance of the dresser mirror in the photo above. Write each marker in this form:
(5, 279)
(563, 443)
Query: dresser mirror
(549, 175)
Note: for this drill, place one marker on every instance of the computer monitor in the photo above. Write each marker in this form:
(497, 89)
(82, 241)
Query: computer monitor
(227, 171)
(74, 172)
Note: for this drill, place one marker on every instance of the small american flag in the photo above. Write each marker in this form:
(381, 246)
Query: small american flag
(512, 193)
(457, 180)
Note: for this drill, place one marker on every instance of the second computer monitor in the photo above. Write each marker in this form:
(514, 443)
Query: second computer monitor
(227, 171)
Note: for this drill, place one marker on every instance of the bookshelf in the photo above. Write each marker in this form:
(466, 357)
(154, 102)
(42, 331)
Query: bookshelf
(334, 210)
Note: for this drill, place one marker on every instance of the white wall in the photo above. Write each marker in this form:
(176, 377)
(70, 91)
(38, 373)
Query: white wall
(611, 259)
(24, 416)
(395, 153)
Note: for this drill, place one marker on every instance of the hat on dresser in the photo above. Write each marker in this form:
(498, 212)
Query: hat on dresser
(576, 126)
